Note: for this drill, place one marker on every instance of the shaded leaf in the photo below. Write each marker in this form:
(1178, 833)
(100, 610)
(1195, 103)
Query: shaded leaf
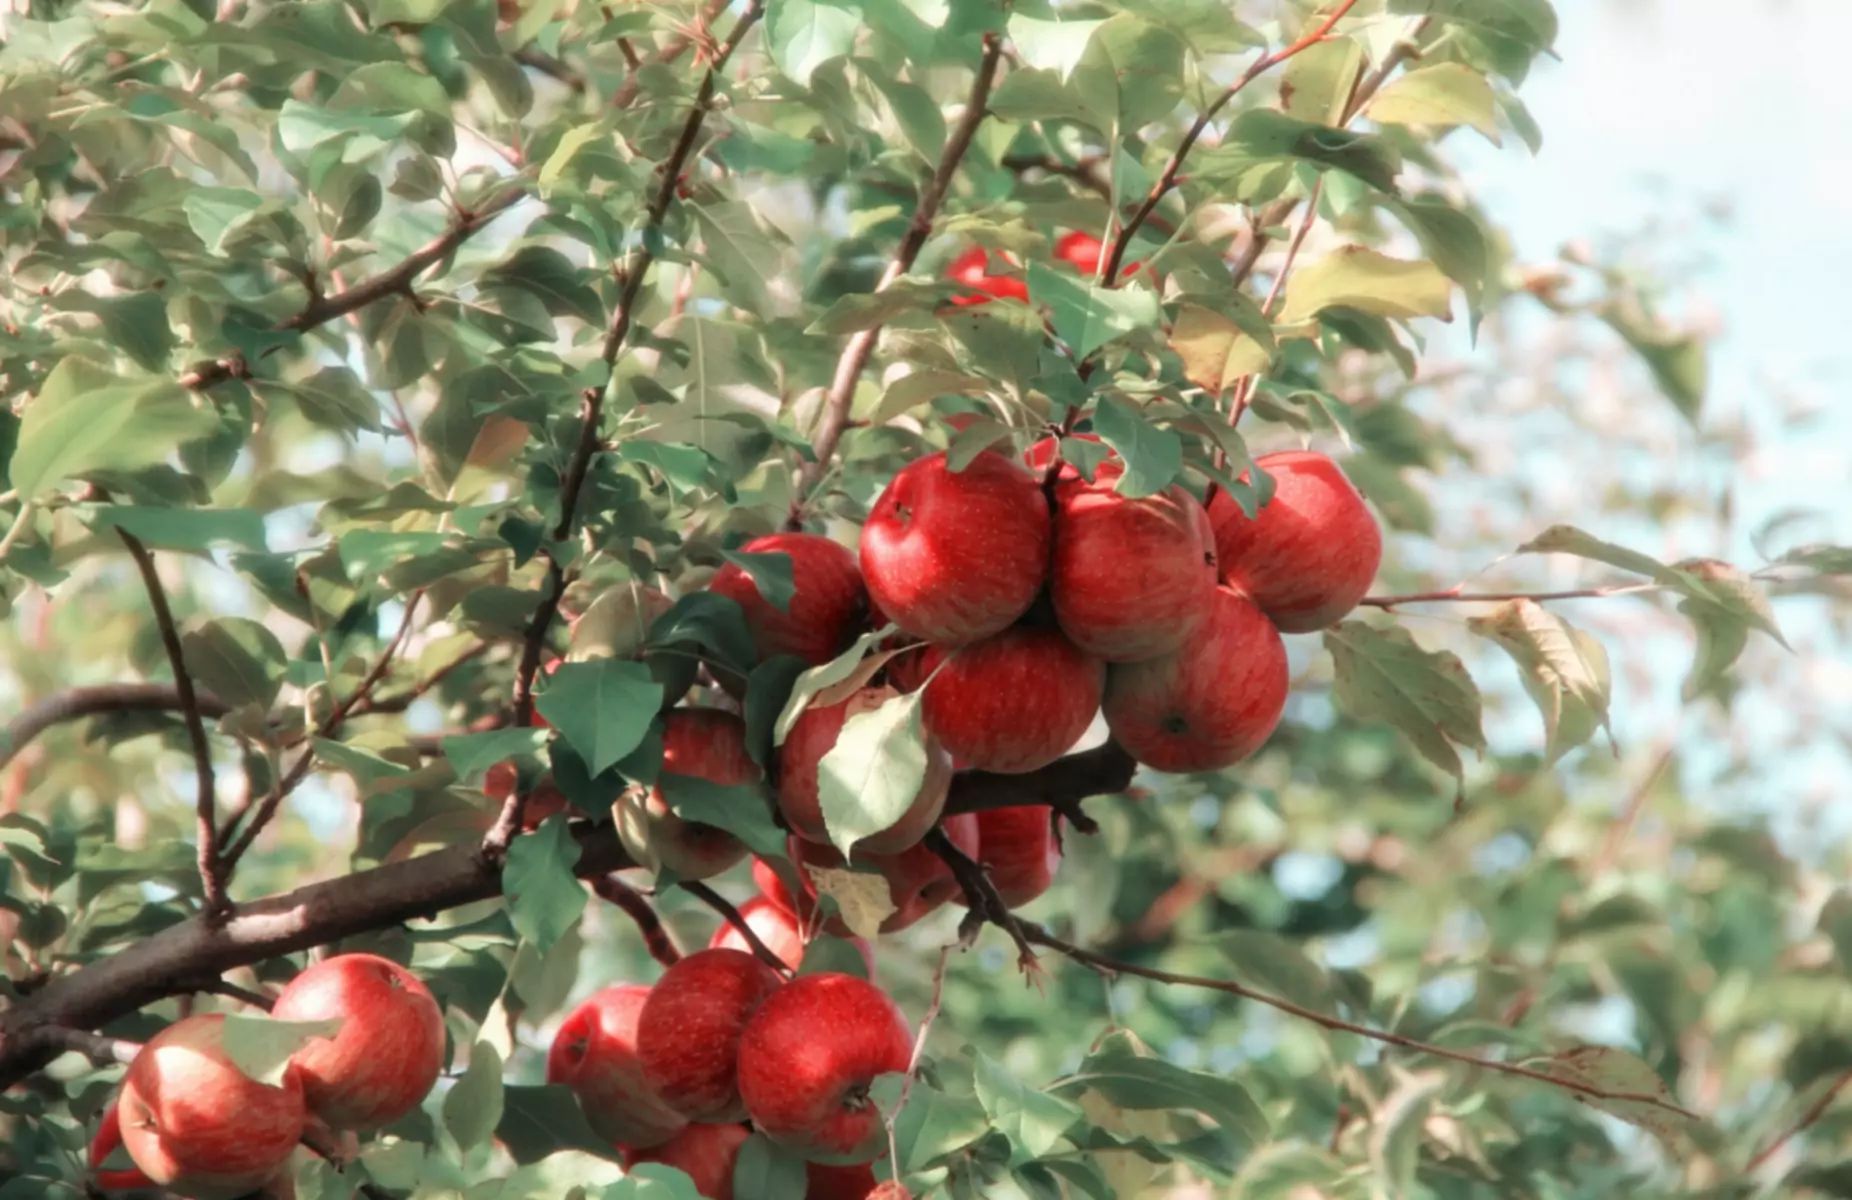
(1564, 670)
(545, 898)
(1382, 675)
(601, 708)
(1153, 457)
(1444, 94)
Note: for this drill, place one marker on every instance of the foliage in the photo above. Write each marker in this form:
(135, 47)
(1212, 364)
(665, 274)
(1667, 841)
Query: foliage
(394, 331)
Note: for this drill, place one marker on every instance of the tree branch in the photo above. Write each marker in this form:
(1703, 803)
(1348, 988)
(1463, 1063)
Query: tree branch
(861, 344)
(591, 411)
(396, 280)
(57, 1039)
(1454, 595)
(81, 702)
(1168, 179)
(671, 50)
(737, 920)
(212, 869)
(981, 896)
(1099, 962)
(637, 907)
(1807, 1120)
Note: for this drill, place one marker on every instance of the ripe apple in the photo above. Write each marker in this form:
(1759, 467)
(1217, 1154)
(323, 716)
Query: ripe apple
(1211, 704)
(1131, 579)
(800, 761)
(595, 1054)
(1312, 552)
(705, 1153)
(688, 1032)
(1013, 702)
(807, 1057)
(703, 743)
(1019, 846)
(780, 930)
(385, 1058)
(972, 269)
(918, 881)
(765, 877)
(827, 603)
(953, 557)
(1084, 252)
(825, 1182)
(1044, 450)
(196, 1124)
(108, 1138)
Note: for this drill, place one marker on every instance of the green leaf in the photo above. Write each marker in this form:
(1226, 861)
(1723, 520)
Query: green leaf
(472, 754)
(935, 1124)
(551, 276)
(366, 553)
(1678, 360)
(473, 1108)
(1452, 238)
(601, 708)
(1033, 1121)
(1054, 46)
(1564, 670)
(820, 677)
(873, 773)
(1396, 1129)
(1153, 457)
(86, 419)
(1836, 923)
(1317, 82)
(973, 440)
(768, 690)
(1032, 95)
(921, 385)
(1134, 68)
(1504, 34)
(538, 1121)
(261, 1046)
(832, 956)
(742, 809)
(1361, 278)
(1256, 158)
(240, 661)
(136, 323)
(1382, 675)
(770, 1171)
(804, 34)
(711, 622)
(1616, 1071)
(184, 528)
(545, 898)
(1087, 316)
(1445, 94)
(1128, 1077)
(856, 311)
(771, 573)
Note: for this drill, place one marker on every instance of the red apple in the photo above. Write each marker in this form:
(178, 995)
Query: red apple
(918, 881)
(385, 1058)
(972, 270)
(957, 556)
(196, 1124)
(1019, 846)
(765, 877)
(1211, 704)
(1130, 579)
(546, 800)
(800, 761)
(807, 1058)
(595, 1054)
(702, 743)
(827, 605)
(1312, 552)
(780, 930)
(1044, 450)
(1085, 251)
(108, 1138)
(705, 1153)
(688, 1032)
(1011, 703)
(825, 1182)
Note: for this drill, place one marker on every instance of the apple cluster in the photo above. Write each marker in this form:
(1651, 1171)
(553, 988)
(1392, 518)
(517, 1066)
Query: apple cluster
(196, 1124)
(671, 1073)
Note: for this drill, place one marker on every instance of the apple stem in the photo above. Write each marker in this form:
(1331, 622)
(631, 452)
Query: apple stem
(636, 906)
(733, 917)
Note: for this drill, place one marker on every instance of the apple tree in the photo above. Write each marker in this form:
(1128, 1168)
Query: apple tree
(852, 598)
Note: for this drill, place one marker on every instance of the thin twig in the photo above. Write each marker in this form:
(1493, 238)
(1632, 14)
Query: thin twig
(400, 701)
(212, 870)
(591, 411)
(982, 898)
(919, 1052)
(1808, 1119)
(1454, 595)
(732, 916)
(671, 50)
(1168, 179)
(861, 344)
(232, 991)
(546, 64)
(636, 906)
(1620, 830)
(1043, 937)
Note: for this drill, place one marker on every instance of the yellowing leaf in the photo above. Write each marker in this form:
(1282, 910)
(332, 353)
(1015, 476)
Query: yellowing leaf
(862, 898)
(1444, 94)
(1564, 670)
(1361, 278)
(1214, 350)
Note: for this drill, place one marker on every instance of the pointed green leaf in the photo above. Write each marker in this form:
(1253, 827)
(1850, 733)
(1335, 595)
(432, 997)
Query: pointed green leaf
(86, 418)
(261, 1046)
(238, 660)
(873, 773)
(1564, 670)
(1153, 457)
(473, 1108)
(1445, 94)
(544, 896)
(1382, 675)
(601, 708)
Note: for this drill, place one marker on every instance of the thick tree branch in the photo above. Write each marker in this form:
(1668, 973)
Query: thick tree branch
(861, 345)
(396, 280)
(1113, 966)
(1168, 179)
(57, 1039)
(212, 868)
(637, 907)
(591, 412)
(78, 703)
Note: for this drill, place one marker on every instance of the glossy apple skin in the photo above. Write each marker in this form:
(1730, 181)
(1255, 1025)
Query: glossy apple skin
(1011, 703)
(705, 743)
(972, 269)
(108, 1137)
(1210, 705)
(918, 880)
(197, 1125)
(807, 1057)
(688, 1032)
(385, 1058)
(828, 604)
(706, 1153)
(800, 759)
(595, 1055)
(1131, 579)
(954, 557)
(826, 1182)
(1313, 551)
(780, 930)
(1019, 846)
